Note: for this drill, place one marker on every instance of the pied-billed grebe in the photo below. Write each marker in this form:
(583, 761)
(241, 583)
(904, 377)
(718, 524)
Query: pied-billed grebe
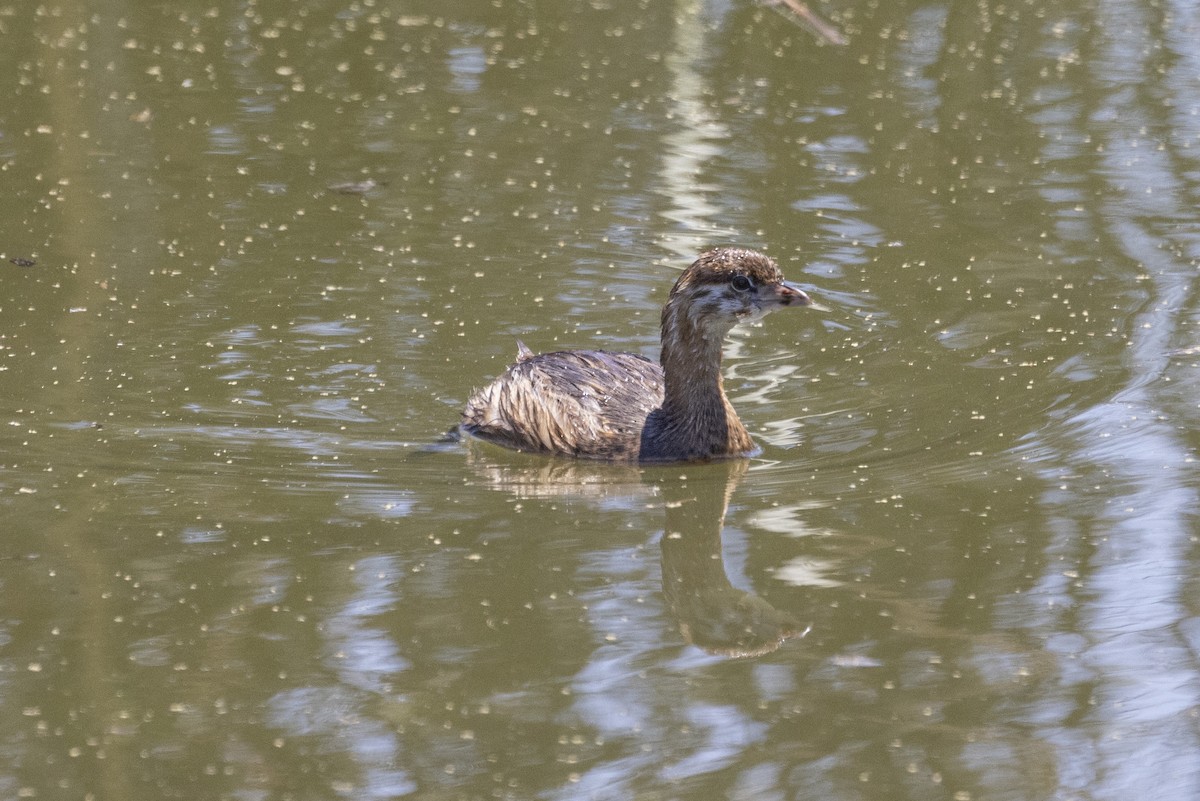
(624, 407)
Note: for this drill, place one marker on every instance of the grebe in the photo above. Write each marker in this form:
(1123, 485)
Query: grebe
(624, 407)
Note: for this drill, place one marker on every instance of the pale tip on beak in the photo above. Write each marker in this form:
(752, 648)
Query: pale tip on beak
(788, 294)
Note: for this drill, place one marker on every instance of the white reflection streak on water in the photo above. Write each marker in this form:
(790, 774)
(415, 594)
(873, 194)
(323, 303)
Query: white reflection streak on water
(1125, 481)
(605, 692)
(696, 137)
(367, 659)
(367, 656)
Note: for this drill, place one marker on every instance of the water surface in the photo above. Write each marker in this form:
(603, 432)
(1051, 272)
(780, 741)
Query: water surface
(275, 245)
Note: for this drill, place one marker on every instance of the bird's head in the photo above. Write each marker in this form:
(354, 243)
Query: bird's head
(727, 286)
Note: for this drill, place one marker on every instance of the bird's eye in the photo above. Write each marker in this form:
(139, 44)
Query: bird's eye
(741, 283)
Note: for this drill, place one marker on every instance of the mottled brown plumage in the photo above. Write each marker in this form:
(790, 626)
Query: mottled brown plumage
(620, 406)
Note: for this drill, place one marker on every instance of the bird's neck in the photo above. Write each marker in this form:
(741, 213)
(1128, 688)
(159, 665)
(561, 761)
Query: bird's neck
(694, 402)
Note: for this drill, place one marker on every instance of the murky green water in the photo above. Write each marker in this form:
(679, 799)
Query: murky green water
(238, 563)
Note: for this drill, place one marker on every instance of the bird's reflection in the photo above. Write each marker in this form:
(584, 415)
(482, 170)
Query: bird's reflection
(711, 612)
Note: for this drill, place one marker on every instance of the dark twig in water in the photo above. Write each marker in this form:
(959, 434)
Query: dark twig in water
(816, 25)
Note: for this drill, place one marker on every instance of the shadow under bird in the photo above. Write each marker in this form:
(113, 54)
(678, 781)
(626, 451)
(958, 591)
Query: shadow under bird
(624, 407)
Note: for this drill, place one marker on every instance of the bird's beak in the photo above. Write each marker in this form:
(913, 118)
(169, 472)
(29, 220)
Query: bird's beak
(788, 294)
